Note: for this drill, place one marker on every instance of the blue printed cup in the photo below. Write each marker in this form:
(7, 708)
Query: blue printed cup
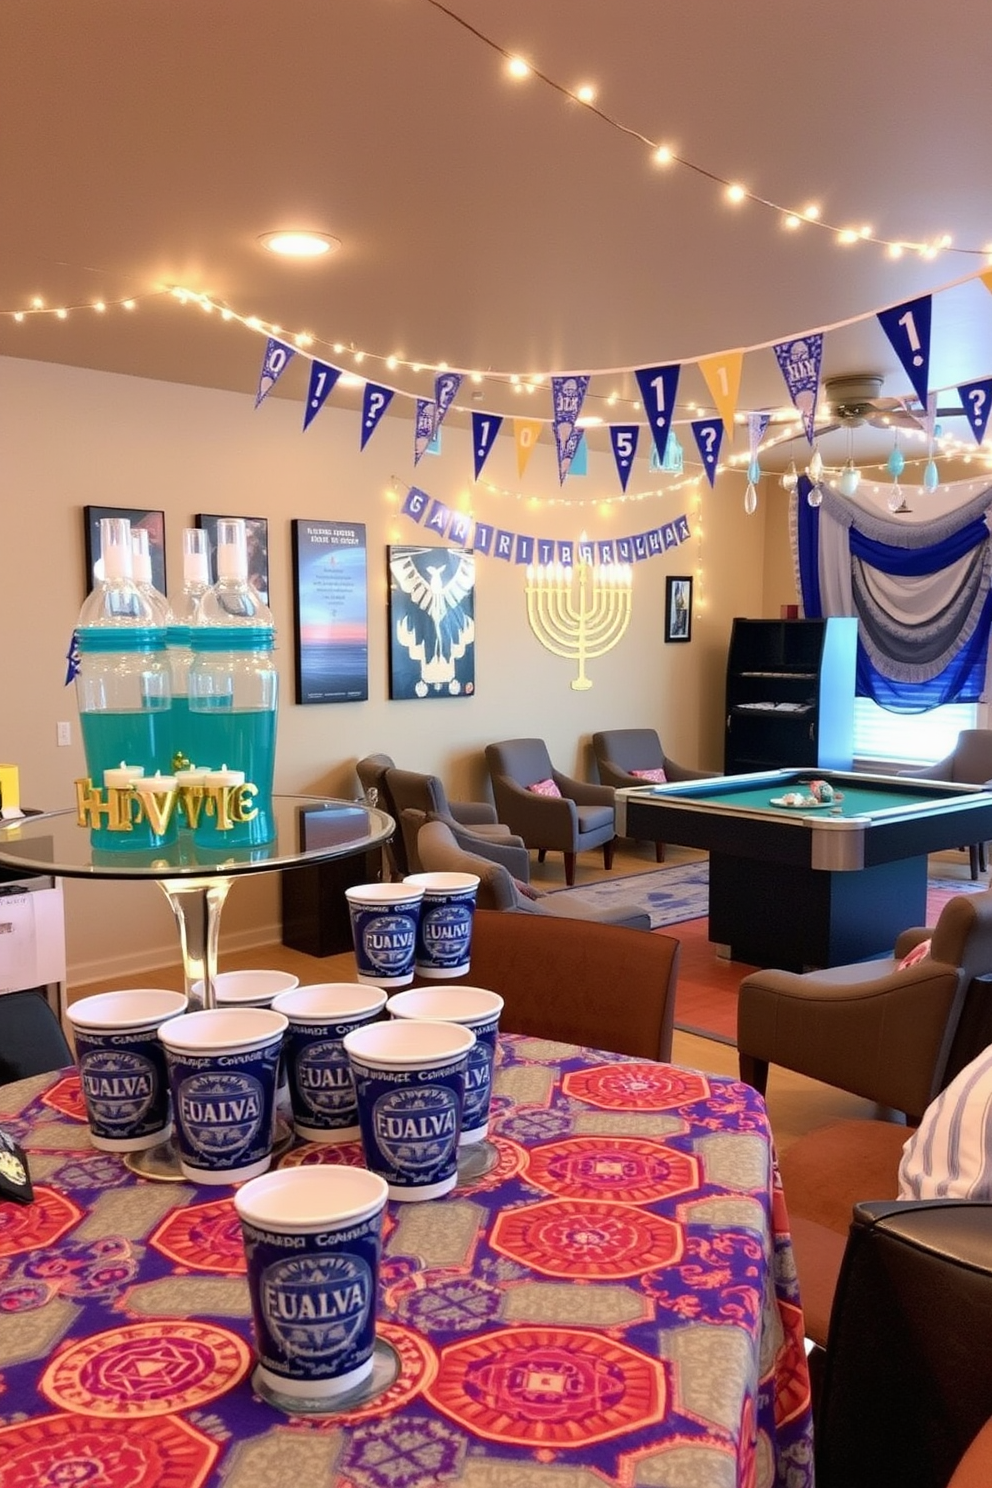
(321, 1089)
(471, 1007)
(222, 1073)
(384, 920)
(444, 936)
(255, 988)
(122, 1069)
(410, 1083)
(312, 1239)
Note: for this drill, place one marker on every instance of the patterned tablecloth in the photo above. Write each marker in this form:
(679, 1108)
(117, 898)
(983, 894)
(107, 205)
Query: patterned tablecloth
(615, 1302)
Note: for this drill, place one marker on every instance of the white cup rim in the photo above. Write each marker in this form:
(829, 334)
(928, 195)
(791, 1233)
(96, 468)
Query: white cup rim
(295, 1200)
(440, 1043)
(227, 984)
(488, 1005)
(330, 1002)
(96, 1014)
(444, 883)
(223, 1030)
(376, 895)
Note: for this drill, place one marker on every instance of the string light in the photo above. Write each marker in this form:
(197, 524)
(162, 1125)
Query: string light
(38, 309)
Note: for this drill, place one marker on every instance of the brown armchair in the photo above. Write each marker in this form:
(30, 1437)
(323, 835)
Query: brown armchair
(872, 1028)
(619, 752)
(581, 817)
(969, 763)
(412, 792)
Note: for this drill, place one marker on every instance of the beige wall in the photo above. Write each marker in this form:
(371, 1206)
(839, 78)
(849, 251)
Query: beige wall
(72, 438)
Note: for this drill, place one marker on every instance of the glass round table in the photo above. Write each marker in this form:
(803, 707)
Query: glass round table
(196, 882)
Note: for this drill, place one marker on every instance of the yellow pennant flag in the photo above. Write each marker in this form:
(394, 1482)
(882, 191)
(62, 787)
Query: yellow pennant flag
(986, 279)
(722, 374)
(525, 435)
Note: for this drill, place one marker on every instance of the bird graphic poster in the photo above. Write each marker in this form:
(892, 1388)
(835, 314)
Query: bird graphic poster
(431, 622)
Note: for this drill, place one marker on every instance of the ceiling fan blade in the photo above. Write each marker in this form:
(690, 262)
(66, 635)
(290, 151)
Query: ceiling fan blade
(822, 429)
(899, 418)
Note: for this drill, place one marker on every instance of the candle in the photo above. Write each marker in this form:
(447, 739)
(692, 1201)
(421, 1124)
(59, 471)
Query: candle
(121, 777)
(194, 775)
(156, 783)
(214, 779)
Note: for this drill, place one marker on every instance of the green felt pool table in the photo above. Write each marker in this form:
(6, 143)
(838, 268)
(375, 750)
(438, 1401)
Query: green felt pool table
(799, 887)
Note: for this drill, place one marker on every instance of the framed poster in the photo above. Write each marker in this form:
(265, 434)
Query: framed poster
(152, 521)
(431, 622)
(330, 612)
(257, 536)
(678, 609)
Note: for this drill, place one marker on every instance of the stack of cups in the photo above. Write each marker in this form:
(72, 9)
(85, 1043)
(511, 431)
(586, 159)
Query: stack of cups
(444, 934)
(471, 1007)
(385, 918)
(122, 1068)
(321, 1089)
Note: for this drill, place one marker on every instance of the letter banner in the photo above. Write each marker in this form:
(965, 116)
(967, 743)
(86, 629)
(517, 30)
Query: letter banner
(546, 551)
(722, 375)
(446, 385)
(485, 427)
(908, 328)
(482, 538)
(416, 503)
(580, 460)
(682, 528)
(708, 434)
(525, 436)
(976, 400)
(375, 401)
(440, 518)
(625, 550)
(799, 363)
(461, 527)
(424, 428)
(586, 551)
(659, 386)
(566, 554)
(322, 380)
(503, 545)
(605, 554)
(640, 547)
(567, 396)
(623, 438)
(277, 358)
(524, 552)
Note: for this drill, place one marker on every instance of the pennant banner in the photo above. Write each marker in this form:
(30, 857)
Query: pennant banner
(799, 363)
(623, 439)
(322, 380)
(708, 434)
(722, 375)
(277, 358)
(757, 423)
(375, 401)
(424, 427)
(567, 396)
(446, 385)
(580, 460)
(659, 386)
(976, 400)
(908, 328)
(485, 427)
(526, 433)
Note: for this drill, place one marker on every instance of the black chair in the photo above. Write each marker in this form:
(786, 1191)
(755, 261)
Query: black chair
(31, 1040)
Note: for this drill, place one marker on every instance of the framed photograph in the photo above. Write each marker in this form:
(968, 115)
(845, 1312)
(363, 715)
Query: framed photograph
(257, 533)
(678, 609)
(152, 521)
(330, 611)
(431, 622)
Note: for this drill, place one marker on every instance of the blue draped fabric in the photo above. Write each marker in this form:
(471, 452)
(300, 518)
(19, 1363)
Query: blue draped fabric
(963, 681)
(912, 562)
(808, 537)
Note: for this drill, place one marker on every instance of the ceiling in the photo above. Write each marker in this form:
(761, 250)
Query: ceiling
(487, 223)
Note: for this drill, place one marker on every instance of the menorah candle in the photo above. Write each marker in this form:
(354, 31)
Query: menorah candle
(222, 818)
(157, 794)
(190, 783)
(122, 776)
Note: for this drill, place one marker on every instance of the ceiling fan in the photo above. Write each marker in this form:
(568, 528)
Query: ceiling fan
(854, 399)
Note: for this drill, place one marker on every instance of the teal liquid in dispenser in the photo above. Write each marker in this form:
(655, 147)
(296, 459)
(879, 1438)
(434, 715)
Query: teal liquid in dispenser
(183, 615)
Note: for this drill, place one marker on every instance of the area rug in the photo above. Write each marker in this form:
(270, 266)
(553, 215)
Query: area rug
(668, 895)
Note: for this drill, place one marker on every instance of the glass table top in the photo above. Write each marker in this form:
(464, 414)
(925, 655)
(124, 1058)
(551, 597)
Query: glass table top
(308, 829)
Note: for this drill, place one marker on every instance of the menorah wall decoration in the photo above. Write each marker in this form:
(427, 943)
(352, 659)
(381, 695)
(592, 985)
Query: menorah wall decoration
(579, 611)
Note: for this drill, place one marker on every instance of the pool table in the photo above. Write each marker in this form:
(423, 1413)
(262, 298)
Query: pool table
(803, 887)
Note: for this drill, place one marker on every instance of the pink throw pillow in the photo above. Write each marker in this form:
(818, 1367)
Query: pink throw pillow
(544, 788)
(916, 954)
(657, 777)
(526, 890)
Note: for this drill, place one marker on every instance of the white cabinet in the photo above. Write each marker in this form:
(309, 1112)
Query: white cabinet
(32, 936)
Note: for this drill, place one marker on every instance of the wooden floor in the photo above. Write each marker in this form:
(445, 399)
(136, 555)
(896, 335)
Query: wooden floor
(795, 1104)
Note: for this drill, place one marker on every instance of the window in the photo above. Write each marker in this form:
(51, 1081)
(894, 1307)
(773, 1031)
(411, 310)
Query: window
(908, 739)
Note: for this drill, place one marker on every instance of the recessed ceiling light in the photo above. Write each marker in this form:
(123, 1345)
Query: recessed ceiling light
(299, 244)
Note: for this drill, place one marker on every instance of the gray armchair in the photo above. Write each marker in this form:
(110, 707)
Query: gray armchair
(619, 752)
(581, 817)
(969, 763)
(411, 792)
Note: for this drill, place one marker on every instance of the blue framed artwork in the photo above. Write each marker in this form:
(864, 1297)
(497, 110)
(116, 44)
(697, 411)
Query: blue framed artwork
(330, 609)
(431, 622)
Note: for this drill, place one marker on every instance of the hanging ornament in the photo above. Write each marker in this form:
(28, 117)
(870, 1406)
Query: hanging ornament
(750, 499)
(815, 467)
(790, 477)
(897, 502)
(931, 475)
(754, 472)
(814, 496)
(849, 480)
(896, 463)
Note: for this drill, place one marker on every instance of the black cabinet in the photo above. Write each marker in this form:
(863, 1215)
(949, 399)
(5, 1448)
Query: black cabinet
(315, 916)
(790, 695)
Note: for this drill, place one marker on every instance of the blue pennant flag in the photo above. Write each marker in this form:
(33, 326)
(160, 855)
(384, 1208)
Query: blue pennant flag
(375, 401)
(976, 400)
(424, 430)
(708, 434)
(908, 328)
(580, 460)
(416, 503)
(799, 363)
(485, 427)
(73, 659)
(322, 380)
(659, 386)
(446, 385)
(567, 397)
(277, 358)
(623, 438)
